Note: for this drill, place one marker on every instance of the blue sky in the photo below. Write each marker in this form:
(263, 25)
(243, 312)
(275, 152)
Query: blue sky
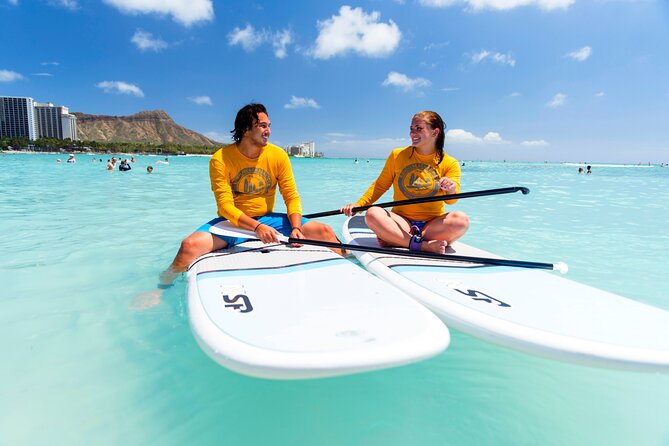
(534, 80)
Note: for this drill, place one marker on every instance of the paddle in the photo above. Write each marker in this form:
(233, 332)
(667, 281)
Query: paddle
(480, 193)
(225, 228)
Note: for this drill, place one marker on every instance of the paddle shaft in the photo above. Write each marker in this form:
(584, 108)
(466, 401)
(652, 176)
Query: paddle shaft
(424, 255)
(480, 193)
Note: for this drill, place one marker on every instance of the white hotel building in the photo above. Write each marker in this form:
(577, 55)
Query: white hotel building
(23, 117)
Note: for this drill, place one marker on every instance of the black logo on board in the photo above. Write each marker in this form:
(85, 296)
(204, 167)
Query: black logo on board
(244, 307)
(475, 295)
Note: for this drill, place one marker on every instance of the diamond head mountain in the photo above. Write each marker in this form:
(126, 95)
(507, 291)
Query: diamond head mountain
(154, 126)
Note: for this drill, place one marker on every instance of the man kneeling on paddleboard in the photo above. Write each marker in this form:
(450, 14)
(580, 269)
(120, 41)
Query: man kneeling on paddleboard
(244, 177)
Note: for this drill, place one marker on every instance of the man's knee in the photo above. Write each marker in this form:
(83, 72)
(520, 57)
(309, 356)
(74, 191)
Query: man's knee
(194, 244)
(320, 231)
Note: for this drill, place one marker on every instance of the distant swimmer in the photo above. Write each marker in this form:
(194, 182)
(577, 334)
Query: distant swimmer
(124, 165)
(356, 161)
(71, 159)
(163, 162)
(58, 161)
(111, 164)
(149, 169)
(132, 159)
(580, 170)
(589, 170)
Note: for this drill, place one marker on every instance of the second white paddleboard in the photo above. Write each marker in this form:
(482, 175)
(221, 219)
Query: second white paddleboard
(527, 309)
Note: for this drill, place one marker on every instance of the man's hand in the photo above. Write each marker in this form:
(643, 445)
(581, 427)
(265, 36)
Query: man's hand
(267, 234)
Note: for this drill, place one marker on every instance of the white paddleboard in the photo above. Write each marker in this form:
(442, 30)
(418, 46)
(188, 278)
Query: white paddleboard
(279, 312)
(531, 310)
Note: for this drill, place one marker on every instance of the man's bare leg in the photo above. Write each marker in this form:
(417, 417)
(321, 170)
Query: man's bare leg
(318, 231)
(192, 247)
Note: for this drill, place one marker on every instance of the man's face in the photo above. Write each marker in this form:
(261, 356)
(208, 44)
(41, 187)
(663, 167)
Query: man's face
(259, 133)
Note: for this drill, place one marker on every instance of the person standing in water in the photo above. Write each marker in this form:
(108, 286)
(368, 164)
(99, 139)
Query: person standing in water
(419, 170)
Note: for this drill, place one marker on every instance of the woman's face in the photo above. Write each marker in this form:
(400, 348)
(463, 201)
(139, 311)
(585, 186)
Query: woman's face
(422, 135)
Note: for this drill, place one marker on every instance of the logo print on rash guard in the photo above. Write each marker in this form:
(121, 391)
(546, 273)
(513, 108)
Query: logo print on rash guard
(418, 180)
(251, 180)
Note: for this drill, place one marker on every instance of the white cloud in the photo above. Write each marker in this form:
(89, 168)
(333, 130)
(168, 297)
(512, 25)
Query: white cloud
(504, 59)
(600, 94)
(460, 136)
(218, 136)
(403, 81)
(145, 41)
(493, 138)
(43, 74)
(297, 102)
(280, 42)
(250, 39)
(499, 5)
(68, 4)
(355, 31)
(121, 88)
(14, 2)
(339, 135)
(185, 12)
(201, 100)
(581, 54)
(50, 63)
(558, 101)
(450, 89)
(436, 46)
(535, 143)
(10, 76)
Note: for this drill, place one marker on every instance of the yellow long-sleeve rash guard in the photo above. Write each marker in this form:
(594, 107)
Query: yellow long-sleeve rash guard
(243, 185)
(413, 176)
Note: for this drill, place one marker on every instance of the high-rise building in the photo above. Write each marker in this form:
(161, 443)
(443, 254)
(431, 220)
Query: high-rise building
(302, 150)
(70, 127)
(17, 117)
(55, 121)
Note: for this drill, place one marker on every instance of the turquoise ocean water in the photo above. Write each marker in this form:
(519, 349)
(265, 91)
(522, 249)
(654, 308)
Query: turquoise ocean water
(80, 367)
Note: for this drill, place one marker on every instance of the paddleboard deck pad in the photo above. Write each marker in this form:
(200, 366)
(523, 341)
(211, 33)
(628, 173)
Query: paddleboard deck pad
(531, 310)
(280, 312)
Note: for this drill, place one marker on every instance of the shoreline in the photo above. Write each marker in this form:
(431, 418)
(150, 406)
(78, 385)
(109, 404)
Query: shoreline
(606, 164)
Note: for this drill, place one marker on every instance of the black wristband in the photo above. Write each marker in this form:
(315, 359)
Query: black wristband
(257, 226)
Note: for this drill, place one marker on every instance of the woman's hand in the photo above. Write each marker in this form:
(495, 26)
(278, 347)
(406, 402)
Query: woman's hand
(348, 210)
(447, 185)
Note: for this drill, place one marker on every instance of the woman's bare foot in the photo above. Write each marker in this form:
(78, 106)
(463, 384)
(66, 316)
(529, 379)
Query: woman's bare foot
(383, 243)
(436, 246)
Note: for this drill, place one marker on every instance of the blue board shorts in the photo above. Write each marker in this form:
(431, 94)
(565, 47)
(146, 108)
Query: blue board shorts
(276, 220)
(420, 224)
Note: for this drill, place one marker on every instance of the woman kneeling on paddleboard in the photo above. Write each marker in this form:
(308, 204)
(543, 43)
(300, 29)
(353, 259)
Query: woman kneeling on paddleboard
(419, 170)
